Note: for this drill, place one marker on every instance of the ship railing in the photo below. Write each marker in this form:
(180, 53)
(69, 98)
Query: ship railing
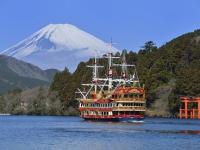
(130, 99)
(125, 115)
(95, 108)
(129, 108)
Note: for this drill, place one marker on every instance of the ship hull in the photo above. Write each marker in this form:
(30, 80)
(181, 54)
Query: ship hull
(115, 119)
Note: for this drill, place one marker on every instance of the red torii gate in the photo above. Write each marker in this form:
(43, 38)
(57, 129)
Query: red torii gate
(186, 112)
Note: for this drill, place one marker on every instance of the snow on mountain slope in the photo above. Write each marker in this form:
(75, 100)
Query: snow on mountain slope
(58, 46)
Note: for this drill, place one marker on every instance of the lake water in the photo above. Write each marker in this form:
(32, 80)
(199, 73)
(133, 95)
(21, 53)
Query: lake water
(72, 133)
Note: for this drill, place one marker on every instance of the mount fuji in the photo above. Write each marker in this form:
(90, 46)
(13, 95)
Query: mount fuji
(58, 46)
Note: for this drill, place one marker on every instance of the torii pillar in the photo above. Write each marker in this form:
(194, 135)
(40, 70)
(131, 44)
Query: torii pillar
(184, 100)
(186, 108)
(198, 102)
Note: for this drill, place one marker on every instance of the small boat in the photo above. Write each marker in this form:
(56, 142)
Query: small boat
(116, 97)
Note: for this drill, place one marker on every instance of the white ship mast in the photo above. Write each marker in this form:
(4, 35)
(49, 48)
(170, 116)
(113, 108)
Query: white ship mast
(108, 82)
(95, 74)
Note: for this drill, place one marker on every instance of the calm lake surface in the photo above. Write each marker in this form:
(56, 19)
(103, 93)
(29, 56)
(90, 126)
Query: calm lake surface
(72, 133)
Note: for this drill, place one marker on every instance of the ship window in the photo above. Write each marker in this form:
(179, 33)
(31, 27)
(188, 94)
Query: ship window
(114, 96)
(135, 94)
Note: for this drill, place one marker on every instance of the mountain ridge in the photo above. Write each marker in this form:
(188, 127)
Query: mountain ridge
(58, 46)
(18, 74)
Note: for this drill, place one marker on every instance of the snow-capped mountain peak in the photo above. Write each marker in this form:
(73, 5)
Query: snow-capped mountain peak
(57, 46)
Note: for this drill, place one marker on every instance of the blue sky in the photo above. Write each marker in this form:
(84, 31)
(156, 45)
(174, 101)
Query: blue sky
(130, 23)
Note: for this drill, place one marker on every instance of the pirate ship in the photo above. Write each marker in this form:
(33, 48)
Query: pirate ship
(115, 97)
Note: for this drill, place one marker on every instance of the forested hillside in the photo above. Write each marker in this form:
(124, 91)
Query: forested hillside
(167, 72)
(19, 74)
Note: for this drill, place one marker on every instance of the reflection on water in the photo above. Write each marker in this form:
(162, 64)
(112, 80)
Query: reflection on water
(190, 132)
(60, 133)
(174, 131)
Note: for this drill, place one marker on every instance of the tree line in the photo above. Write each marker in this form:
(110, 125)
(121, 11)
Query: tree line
(173, 67)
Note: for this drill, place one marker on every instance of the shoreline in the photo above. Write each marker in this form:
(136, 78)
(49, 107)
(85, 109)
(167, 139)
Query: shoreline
(2, 114)
(78, 116)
